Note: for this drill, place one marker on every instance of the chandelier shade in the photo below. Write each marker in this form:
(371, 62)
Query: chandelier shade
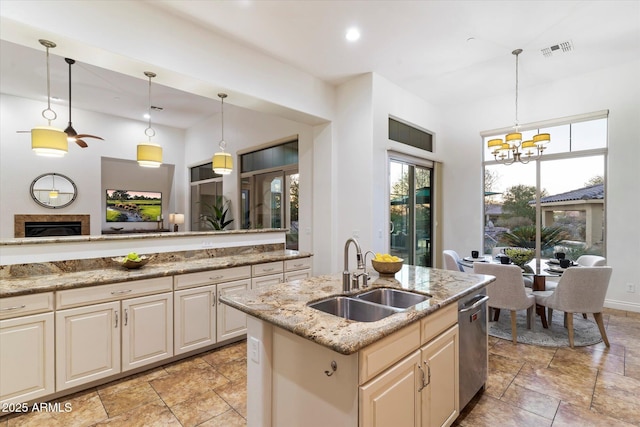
(48, 140)
(513, 149)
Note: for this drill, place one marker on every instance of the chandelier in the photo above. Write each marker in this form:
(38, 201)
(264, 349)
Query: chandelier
(513, 148)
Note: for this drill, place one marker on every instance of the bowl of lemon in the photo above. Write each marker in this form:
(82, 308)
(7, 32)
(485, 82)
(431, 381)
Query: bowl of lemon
(386, 264)
(132, 260)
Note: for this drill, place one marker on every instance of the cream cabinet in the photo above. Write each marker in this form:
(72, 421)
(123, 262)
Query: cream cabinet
(95, 341)
(392, 398)
(195, 318)
(26, 348)
(231, 323)
(297, 269)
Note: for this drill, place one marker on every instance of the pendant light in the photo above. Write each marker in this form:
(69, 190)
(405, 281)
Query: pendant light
(222, 162)
(53, 194)
(47, 140)
(72, 135)
(513, 149)
(149, 154)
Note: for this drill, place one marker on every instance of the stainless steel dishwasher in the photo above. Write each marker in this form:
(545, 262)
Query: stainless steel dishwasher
(472, 324)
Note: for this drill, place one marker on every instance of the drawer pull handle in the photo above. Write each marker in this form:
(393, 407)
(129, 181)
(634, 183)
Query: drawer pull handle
(116, 327)
(268, 269)
(16, 307)
(126, 316)
(334, 368)
(298, 265)
(213, 297)
(124, 291)
(216, 277)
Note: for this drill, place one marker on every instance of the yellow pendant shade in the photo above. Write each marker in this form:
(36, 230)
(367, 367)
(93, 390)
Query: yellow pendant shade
(149, 155)
(494, 143)
(514, 137)
(53, 194)
(542, 138)
(222, 163)
(49, 141)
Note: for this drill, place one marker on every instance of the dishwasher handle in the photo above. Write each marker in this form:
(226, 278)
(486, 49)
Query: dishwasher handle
(475, 305)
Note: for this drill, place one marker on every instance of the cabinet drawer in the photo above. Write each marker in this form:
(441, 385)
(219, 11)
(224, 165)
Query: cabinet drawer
(211, 277)
(432, 325)
(267, 268)
(297, 264)
(25, 304)
(103, 293)
(264, 281)
(380, 355)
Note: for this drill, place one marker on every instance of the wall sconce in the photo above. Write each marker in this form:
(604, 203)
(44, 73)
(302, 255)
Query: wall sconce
(176, 219)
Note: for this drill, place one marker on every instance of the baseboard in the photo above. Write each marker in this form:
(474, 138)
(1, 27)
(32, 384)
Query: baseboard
(622, 305)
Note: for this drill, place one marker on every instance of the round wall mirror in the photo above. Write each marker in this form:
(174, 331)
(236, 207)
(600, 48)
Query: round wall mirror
(53, 190)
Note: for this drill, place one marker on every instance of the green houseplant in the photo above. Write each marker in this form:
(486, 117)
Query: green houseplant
(215, 216)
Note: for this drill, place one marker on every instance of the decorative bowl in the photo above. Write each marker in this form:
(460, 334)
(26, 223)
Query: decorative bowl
(387, 267)
(131, 264)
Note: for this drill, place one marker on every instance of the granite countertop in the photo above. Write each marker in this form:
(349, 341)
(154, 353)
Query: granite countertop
(285, 305)
(47, 281)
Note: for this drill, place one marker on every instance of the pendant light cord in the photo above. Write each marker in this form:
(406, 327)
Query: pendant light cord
(222, 143)
(48, 113)
(517, 52)
(149, 130)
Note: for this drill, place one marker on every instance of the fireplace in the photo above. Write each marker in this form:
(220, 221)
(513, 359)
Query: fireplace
(50, 225)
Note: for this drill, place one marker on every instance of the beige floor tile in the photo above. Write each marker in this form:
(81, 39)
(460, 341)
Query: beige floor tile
(632, 363)
(126, 399)
(573, 384)
(572, 416)
(594, 359)
(200, 408)
(234, 370)
(151, 414)
(195, 362)
(127, 382)
(235, 394)
(183, 384)
(489, 411)
(498, 382)
(226, 355)
(229, 419)
(617, 396)
(536, 356)
(532, 401)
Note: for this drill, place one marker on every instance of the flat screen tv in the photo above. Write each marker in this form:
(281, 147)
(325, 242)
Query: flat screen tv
(133, 206)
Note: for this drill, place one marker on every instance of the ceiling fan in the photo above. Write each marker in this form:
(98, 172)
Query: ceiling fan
(70, 131)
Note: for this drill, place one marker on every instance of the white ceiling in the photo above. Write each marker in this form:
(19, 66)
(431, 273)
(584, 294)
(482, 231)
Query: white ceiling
(422, 46)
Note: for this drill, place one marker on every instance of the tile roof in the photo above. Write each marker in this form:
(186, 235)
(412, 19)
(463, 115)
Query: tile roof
(593, 192)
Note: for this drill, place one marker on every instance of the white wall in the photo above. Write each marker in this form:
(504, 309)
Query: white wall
(19, 165)
(615, 89)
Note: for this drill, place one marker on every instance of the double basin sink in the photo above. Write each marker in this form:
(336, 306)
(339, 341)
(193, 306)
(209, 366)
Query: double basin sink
(369, 306)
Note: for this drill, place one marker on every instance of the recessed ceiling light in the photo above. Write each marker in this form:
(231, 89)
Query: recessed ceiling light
(353, 34)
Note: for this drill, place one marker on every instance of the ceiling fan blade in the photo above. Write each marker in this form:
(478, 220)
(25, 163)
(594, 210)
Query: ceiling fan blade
(85, 135)
(81, 143)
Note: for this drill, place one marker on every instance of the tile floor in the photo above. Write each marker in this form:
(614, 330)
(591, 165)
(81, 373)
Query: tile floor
(527, 386)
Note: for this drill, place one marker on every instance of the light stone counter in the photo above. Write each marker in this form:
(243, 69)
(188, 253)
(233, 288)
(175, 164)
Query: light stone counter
(24, 279)
(285, 305)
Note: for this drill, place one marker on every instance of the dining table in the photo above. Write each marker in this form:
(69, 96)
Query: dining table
(540, 271)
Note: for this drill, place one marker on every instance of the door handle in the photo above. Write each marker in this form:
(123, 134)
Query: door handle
(423, 385)
(475, 304)
(116, 327)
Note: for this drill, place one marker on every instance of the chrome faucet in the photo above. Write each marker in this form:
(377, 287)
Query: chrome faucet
(347, 282)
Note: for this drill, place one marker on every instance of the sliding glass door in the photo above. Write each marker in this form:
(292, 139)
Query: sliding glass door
(410, 213)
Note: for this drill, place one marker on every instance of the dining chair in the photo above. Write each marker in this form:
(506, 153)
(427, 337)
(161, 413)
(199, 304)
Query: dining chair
(591, 261)
(507, 292)
(451, 260)
(579, 290)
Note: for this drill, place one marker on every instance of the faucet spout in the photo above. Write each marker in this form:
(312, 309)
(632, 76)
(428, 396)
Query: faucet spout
(346, 285)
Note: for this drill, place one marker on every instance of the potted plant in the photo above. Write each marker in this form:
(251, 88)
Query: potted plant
(215, 216)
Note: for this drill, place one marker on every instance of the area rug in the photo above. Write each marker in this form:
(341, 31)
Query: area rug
(585, 332)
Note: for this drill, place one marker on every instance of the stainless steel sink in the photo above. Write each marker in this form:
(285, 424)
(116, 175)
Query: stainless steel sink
(392, 297)
(353, 309)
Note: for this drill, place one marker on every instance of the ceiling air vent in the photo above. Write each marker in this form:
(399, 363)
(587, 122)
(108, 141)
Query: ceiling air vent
(557, 48)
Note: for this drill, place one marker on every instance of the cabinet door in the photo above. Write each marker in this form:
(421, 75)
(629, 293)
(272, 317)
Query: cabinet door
(392, 398)
(26, 358)
(87, 344)
(195, 318)
(147, 330)
(440, 400)
(231, 322)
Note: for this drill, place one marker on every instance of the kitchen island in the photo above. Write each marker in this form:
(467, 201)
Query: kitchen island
(307, 367)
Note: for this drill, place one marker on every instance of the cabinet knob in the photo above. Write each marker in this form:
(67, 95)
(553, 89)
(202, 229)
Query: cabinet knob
(334, 367)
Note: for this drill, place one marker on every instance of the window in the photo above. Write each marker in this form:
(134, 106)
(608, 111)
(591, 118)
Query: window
(270, 191)
(562, 194)
(206, 191)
